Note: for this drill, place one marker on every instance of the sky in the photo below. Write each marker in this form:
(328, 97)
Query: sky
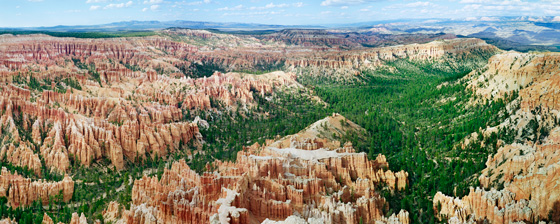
(35, 13)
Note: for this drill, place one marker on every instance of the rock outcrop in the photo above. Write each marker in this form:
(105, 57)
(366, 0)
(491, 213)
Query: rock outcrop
(78, 219)
(47, 219)
(330, 184)
(62, 136)
(328, 39)
(7, 221)
(342, 64)
(375, 57)
(22, 191)
(120, 99)
(112, 212)
(525, 171)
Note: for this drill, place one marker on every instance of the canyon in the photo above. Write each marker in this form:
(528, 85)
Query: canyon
(142, 129)
(121, 113)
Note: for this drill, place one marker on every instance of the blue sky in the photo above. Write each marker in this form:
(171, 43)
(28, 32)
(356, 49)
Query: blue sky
(21, 13)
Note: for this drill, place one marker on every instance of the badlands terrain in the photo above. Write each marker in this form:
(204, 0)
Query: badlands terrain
(294, 126)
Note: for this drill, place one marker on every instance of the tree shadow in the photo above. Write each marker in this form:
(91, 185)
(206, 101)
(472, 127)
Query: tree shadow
(554, 213)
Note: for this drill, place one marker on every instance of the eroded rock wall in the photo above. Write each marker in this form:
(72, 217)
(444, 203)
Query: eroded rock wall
(330, 185)
(526, 170)
(22, 191)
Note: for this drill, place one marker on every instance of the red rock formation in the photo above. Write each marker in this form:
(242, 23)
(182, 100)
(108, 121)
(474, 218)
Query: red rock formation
(493, 206)
(7, 221)
(112, 212)
(328, 40)
(78, 219)
(63, 136)
(535, 76)
(335, 185)
(190, 33)
(343, 60)
(47, 219)
(528, 171)
(130, 102)
(22, 191)
(75, 219)
(116, 113)
(22, 156)
(311, 37)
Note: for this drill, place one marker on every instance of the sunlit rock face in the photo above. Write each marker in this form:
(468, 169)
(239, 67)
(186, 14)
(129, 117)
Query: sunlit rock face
(302, 178)
(22, 192)
(119, 107)
(375, 57)
(527, 169)
(341, 64)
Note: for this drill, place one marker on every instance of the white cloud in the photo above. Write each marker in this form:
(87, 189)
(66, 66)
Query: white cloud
(345, 2)
(272, 5)
(344, 7)
(144, 9)
(510, 7)
(94, 7)
(95, 1)
(418, 4)
(253, 13)
(194, 3)
(153, 2)
(267, 6)
(154, 7)
(118, 6)
(235, 8)
(415, 7)
(472, 1)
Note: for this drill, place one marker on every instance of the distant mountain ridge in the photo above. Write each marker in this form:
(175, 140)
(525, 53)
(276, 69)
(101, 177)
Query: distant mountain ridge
(157, 25)
(521, 33)
(544, 21)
